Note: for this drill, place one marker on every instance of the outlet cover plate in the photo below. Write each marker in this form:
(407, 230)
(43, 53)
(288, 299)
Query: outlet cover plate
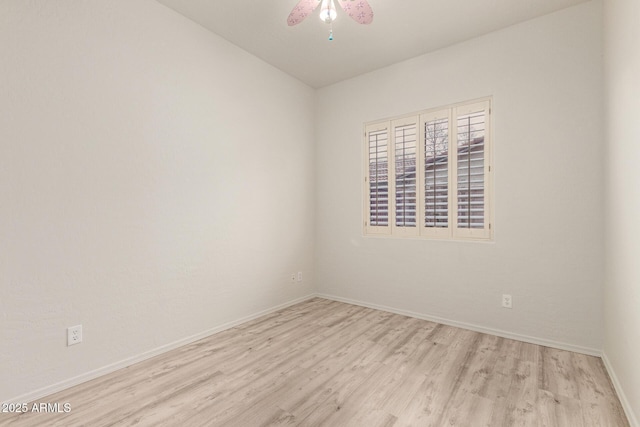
(74, 335)
(507, 301)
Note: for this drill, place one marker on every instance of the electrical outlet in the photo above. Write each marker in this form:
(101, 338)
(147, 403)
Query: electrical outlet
(293, 277)
(74, 335)
(507, 302)
(299, 276)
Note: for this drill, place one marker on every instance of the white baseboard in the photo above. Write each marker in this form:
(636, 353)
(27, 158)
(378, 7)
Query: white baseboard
(63, 385)
(472, 327)
(631, 416)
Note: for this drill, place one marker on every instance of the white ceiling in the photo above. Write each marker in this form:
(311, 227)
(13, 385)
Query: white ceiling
(401, 29)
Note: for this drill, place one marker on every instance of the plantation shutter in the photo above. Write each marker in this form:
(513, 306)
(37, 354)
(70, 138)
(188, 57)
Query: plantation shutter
(405, 151)
(428, 174)
(435, 173)
(472, 171)
(377, 179)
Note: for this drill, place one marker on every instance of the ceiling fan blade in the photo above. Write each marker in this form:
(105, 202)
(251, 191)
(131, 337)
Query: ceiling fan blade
(358, 10)
(301, 11)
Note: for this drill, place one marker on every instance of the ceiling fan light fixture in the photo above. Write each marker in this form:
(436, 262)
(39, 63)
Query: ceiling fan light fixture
(359, 11)
(328, 11)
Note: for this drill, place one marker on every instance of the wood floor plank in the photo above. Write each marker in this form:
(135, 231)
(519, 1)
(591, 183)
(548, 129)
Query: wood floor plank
(557, 410)
(325, 363)
(518, 406)
(604, 414)
(291, 386)
(559, 376)
(296, 363)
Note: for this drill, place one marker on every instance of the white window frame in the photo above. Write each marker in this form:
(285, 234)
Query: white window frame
(452, 231)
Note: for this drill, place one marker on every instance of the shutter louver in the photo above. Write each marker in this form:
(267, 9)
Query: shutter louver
(436, 173)
(378, 178)
(405, 175)
(470, 170)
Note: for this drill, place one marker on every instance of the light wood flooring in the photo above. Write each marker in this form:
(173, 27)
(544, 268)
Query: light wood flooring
(325, 363)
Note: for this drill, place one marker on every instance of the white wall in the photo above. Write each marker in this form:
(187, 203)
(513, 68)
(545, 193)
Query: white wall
(545, 79)
(146, 186)
(146, 191)
(622, 281)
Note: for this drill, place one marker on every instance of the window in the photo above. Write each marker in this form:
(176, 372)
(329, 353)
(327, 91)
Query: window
(429, 174)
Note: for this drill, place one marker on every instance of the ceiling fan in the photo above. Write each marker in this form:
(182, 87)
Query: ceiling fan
(358, 10)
